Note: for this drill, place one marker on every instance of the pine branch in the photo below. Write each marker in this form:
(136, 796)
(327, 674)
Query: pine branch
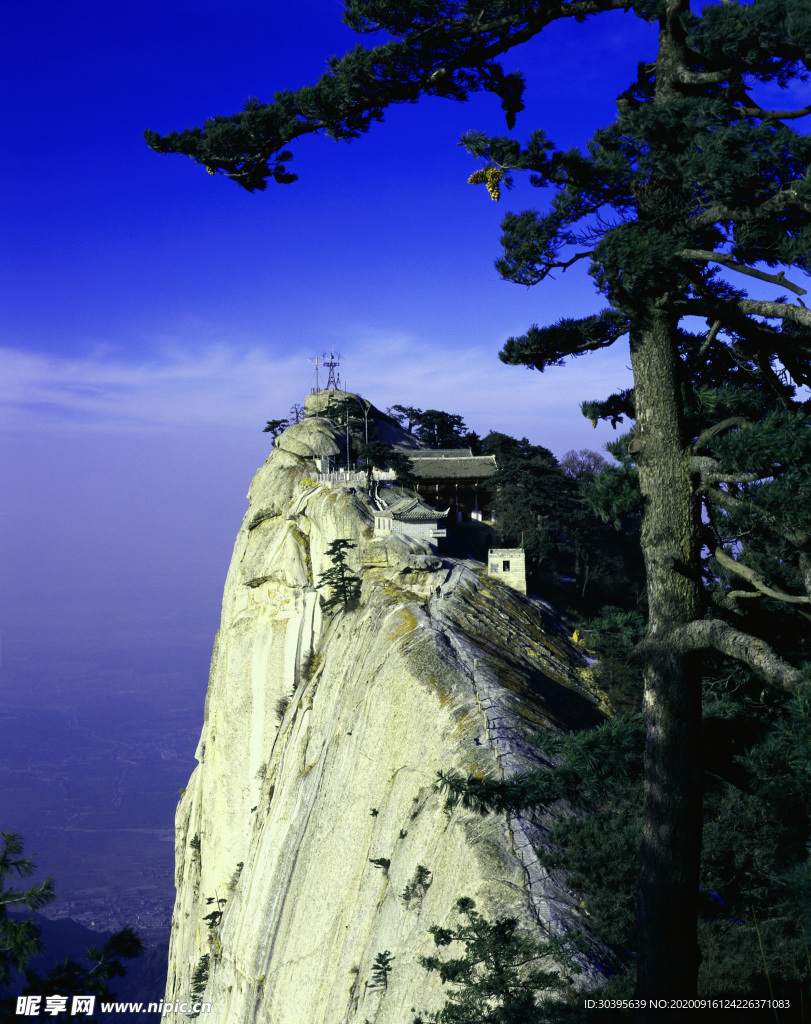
(708, 470)
(712, 334)
(687, 77)
(763, 585)
(706, 436)
(727, 261)
(773, 115)
(781, 310)
(726, 501)
(716, 634)
(767, 210)
(449, 57)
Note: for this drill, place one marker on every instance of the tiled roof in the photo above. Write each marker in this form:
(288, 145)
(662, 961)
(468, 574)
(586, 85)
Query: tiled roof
(412, 510)
(444, 453)
(472, 467)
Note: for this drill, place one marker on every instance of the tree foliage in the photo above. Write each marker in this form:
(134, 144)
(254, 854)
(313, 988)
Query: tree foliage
(20, 941)
(503, 975)
(383, 456)
(344, 585)
(275, 427)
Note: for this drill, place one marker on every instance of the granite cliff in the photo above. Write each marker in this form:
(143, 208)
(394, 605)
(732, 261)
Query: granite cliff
(322, 738)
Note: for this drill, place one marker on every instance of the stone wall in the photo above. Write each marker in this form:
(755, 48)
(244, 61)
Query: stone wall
(510, 566)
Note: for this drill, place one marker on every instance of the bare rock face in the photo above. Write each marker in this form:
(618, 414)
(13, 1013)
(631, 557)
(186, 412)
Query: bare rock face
(314, 435)
(319, 755)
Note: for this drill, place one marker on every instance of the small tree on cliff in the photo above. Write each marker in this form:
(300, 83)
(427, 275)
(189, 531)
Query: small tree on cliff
(275, 427)
(695, 174)
(382, 456)
(343, 583)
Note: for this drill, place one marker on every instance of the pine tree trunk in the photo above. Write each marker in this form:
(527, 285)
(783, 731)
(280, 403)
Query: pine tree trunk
(671, 846)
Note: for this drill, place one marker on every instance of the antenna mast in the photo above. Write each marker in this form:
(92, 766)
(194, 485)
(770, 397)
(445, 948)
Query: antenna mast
(334, 360)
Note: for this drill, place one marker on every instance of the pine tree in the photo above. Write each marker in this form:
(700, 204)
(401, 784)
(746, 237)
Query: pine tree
(381, 969)
(502, 975)
(275, 427)
(382, 456)
(20, 942)
(343, 583)
(19, 939)
(406, 415)
(439, 429)
(695, 175)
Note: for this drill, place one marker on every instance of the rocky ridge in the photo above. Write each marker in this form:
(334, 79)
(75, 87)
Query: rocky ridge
(315, 801)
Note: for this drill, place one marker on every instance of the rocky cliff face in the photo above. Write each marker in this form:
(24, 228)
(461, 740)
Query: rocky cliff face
(323, 735)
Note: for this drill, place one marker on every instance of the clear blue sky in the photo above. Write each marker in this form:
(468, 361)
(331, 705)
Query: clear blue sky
(155, 317)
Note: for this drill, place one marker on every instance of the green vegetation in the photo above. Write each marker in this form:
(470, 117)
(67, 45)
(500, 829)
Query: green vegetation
(309, 664)
(215, 916)
(234, 880)
(200, 979)
(343, 583)
(275, 427)
(282, 704)
(381, 969)
(20, 942)
(436, 428)
(417, 887)
(753, 884)
(499, 978)
(383, 456)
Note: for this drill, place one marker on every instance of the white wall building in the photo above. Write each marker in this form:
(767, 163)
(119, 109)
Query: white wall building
(411, 516)
(510, 566)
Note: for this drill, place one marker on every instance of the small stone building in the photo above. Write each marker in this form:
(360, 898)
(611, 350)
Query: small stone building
(412, 517)
(510, 566)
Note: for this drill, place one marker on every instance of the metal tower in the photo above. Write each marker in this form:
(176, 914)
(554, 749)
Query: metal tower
(333, 382)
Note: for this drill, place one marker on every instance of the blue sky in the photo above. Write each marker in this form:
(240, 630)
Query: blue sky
(154, 317)
(140, 293)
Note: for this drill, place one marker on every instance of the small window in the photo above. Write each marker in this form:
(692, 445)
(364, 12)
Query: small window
(505, 565)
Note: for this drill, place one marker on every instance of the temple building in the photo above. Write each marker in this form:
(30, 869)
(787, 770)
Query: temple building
(454, 478)
(412, 517)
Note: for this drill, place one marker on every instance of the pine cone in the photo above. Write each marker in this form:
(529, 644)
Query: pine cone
(489, 176)
(493, 177)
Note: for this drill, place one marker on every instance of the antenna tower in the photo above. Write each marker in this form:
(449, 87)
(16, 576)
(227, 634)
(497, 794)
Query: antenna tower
(334, 360)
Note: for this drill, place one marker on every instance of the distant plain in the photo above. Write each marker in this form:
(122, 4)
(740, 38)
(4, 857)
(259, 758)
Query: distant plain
(97, 743)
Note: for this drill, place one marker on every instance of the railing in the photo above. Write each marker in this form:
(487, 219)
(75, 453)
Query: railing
(346, 476)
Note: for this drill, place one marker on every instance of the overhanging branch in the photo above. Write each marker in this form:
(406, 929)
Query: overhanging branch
(733, 421)
(724, 500)
(710, 474)
(741, 215)
(720, 636)
(686, 77)
(758, 581)
(741, 268)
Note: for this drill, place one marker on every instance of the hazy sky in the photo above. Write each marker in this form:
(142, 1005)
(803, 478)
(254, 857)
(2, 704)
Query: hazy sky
(154, 317)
